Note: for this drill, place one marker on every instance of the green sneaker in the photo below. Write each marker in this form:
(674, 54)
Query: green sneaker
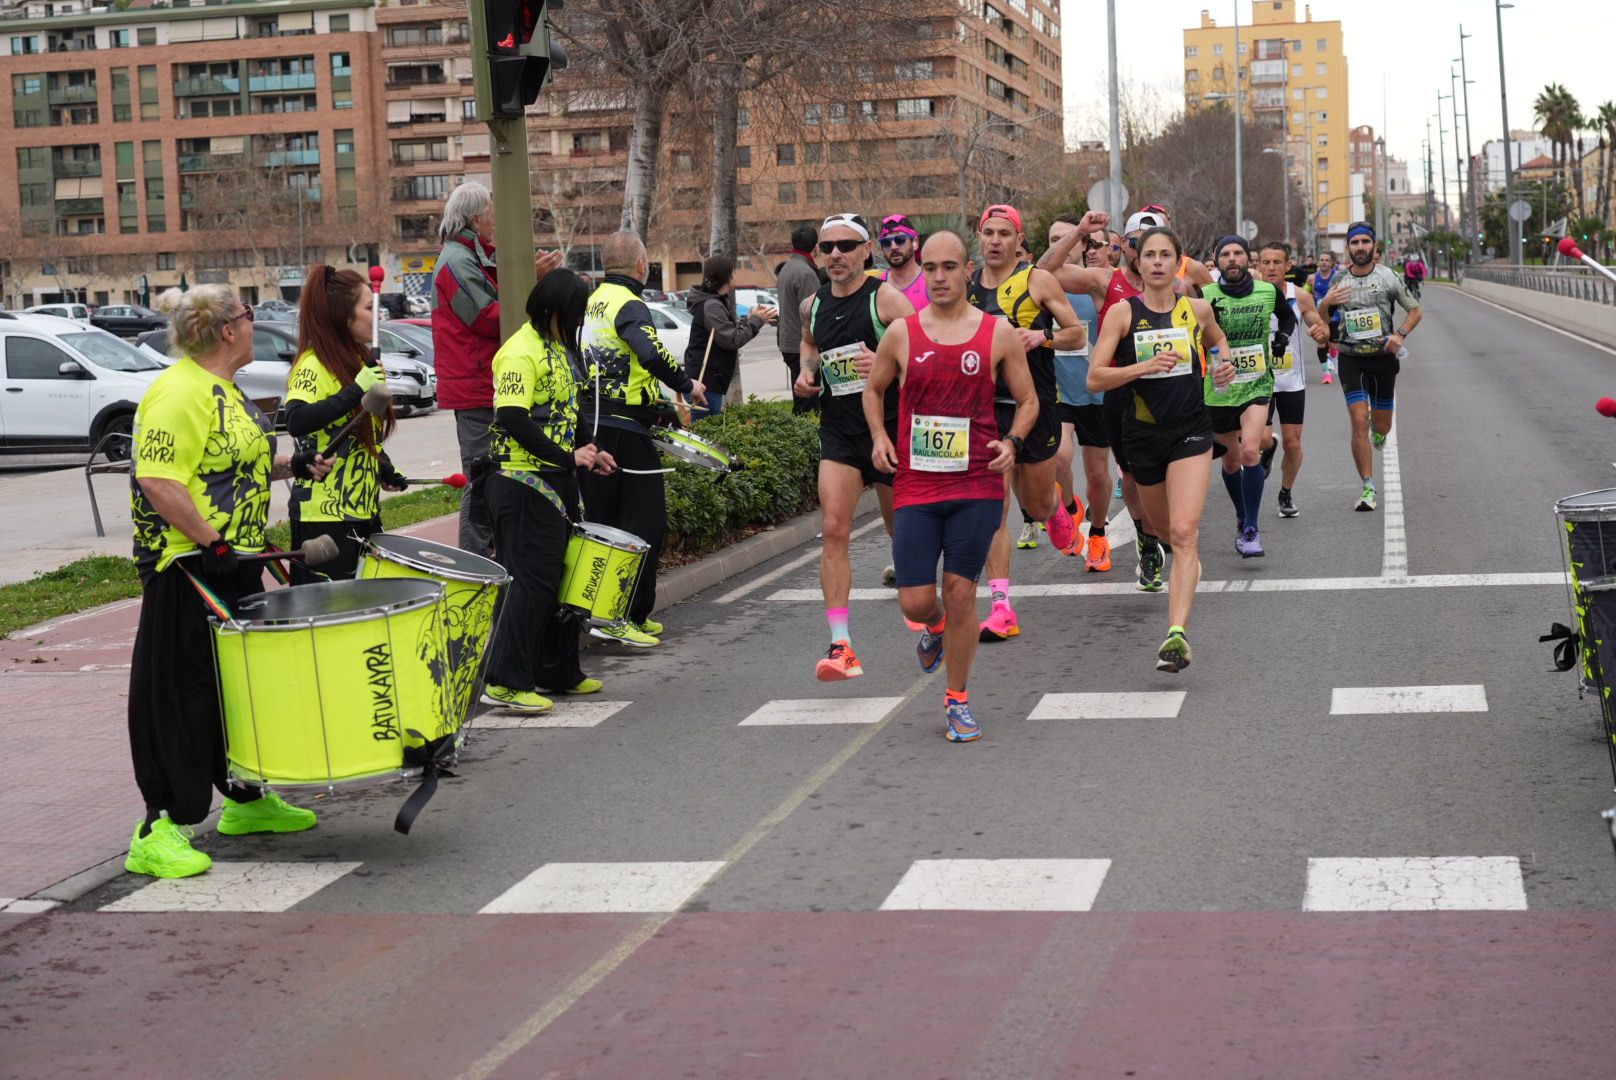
(523, 701)
(268, 814)
(1174, 654)
(1366, 501)
(627, 634)
(588, 686)
(1377, 439)
(165, 852)
(650, 627)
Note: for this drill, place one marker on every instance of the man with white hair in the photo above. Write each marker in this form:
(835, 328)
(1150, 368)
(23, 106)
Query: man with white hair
(465, 336)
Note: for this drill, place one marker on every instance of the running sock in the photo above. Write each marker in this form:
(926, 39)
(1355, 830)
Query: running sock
(146, 826)
(837, 617)
(942, 624)
(1071, 507)
(1026, 518)
(955, 697)
(1176, 631)
(1097, 530)
(1284, 493)
(1001, 590)
(1251, 478)
(1232, 483)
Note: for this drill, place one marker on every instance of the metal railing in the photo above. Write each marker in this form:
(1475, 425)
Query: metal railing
(1573, 282)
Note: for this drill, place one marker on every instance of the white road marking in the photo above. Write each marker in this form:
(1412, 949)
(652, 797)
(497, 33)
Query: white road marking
(1539, 322)
(566, 714)
(1394, 545)
(781, 571)
(998, 885)
(1455, 883)
(1255, 585)
(796, 711)
(237, 886)
(25, 907)
(1374, 700)
(1145, 705)
(597, 888)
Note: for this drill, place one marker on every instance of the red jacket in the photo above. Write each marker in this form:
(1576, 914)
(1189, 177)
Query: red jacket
(465, 322)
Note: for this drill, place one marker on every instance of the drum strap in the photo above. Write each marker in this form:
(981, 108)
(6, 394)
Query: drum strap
(1565, 651)
(212, 601)
(434, 759)
(538, 484)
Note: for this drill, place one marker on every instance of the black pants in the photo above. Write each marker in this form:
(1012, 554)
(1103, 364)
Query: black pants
(635, 504)
(794, 364)
(471, 432)
(535, 646)
(176, 735)
(350, 537)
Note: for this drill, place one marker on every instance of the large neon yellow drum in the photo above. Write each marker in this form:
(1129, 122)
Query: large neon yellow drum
(321, 683)
(602, 566)
(471, 586)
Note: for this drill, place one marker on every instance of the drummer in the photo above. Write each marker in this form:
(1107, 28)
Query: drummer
(533, 496)
(203, 462)
(332, 372)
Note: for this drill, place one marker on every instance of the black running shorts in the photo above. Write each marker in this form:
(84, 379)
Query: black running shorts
(1153, 447)
(1288, 405)
(852, 449)
(1044, 438)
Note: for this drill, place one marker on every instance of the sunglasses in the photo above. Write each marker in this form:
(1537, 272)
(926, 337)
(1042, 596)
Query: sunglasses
(893, 241)
(844, 246)
(246, 313)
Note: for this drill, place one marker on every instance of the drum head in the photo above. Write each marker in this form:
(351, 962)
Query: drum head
(439, 560)
(692, 449)
(336, 601)
(617, 538)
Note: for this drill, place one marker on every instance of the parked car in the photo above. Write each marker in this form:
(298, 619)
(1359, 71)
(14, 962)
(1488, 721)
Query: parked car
(276, 311)
(409, 337)
(672, 328)
(414, 385)
(79, 313)
(65, 386)
(127, 320)
(748, 298)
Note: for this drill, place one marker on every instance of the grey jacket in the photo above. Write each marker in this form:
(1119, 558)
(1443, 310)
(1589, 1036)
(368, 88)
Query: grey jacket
(796, 281)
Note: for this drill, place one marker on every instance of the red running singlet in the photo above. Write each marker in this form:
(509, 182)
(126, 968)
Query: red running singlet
(1119, 290)
(945, 420)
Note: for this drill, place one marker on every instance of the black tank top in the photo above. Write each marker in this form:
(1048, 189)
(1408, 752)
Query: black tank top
(1013, 302)
(838, 323)
(1177, 397)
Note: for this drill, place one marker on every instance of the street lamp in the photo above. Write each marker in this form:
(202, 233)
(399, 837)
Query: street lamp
(1285, 157)
(1509, 176)
(1470, 154)
(1239, 167)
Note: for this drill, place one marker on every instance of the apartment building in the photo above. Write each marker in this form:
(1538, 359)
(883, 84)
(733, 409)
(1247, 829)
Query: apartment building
(1293, 79)
(230, 143)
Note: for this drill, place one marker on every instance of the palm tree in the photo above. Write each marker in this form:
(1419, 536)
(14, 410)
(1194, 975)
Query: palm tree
(1558, 117)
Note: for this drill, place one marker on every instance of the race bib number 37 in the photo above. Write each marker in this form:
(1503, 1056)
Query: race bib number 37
(840, 372)
(939, 443)
(1147, 343)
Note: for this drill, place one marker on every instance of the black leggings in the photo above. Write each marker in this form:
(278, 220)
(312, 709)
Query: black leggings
(635, 504)
(535, 647)
(176, 735)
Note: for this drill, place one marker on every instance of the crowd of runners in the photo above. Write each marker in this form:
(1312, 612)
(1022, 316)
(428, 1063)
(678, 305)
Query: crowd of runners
(964, 375)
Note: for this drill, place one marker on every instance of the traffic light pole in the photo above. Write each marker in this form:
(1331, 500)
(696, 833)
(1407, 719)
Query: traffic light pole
(513, 201)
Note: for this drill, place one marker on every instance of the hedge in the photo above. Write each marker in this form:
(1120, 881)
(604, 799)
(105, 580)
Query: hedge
(779, 452)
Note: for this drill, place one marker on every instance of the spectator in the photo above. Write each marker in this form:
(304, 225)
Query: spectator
(795, 282)
(716, 335)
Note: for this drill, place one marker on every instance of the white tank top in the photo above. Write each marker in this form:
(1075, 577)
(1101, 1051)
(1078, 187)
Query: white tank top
(1293, 376)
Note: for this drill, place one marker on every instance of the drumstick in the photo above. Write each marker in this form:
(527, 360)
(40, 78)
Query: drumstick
(315, 551)
(454, 480)
(377, 275)
(374, 403)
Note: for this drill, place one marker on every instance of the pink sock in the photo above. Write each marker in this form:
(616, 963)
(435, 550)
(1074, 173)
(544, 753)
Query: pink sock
(837, 617)
(1001, 590)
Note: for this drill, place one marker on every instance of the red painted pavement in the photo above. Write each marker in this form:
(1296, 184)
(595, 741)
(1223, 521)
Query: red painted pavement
(851, 994)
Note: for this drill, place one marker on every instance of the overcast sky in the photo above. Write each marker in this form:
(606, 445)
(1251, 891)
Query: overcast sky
(1406, 42)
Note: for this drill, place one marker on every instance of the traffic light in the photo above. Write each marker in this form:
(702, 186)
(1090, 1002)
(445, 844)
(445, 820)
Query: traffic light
(519, 57)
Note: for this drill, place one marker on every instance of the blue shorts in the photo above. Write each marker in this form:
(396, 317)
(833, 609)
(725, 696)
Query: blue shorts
(959, 532)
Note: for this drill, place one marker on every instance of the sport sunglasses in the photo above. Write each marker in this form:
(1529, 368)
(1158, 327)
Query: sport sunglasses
(844, 246)
(892, 241)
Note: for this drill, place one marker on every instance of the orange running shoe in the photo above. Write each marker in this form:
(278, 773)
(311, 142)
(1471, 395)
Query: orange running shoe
(1099, 558)
(840, 663)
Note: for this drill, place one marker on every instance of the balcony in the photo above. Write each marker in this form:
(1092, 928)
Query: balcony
(79, 207)
(207, 86)
(1269, 71)
(275, 159)
(274, 84)
(66, 168)
(72, 95)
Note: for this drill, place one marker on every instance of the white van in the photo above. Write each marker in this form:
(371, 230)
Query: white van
(79, 313)
(65, 387)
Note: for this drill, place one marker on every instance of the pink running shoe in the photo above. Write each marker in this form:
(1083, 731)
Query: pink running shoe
(1001, 625)
(1061, 527)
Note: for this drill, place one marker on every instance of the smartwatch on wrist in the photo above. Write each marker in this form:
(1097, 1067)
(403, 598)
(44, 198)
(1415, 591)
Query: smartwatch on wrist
(1016, 441)
(1049, 334)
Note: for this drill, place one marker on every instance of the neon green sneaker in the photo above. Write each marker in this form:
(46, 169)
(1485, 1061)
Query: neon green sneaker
(651, 627)
(522, 701)
(1366, 501)
(627, 634)
(588, 686)
(1174, 654)
(165, 852)
(1377, 439)
(268, 814)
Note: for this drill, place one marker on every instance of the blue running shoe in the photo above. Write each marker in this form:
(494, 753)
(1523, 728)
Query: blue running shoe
(929, 650)
(962, 726)
(1116, 492)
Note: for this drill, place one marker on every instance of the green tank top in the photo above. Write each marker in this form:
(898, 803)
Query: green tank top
(1244, 320)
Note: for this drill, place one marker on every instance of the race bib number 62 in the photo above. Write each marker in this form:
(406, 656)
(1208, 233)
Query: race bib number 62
(1147, 343)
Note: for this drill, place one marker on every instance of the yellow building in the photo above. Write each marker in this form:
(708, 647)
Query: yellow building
(1293, 78)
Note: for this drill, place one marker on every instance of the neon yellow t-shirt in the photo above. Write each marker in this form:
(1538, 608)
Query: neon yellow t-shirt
(533, 374)
(351, 491)
(200, 430)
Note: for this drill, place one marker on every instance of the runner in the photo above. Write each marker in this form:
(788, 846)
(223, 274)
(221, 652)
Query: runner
(1369, 347)
(841, 325)
(1243, 307)
(900, 246)
(1323, 280)
(1191, 272)
(1290, 373)
(1082, 412)
(1155, 343)
(1109, 287)
(951, 461)
(1032, 302)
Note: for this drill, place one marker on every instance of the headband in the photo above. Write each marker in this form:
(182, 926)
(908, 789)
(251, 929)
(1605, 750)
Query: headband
(846, 221)
(1361, 229)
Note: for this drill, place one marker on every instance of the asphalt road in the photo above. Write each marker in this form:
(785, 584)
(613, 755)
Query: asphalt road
(674, 891)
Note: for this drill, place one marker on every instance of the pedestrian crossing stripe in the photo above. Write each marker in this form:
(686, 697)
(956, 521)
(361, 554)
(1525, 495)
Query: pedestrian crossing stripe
(1415, 884)
(1371, 700)
(255, 887)
(790, 712)
(1149, 705)
(998, 885)
(604, 887)
(565, 714)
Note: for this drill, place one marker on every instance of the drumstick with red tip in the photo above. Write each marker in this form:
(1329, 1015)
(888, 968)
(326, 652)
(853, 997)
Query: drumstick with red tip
(1568, 247)
(454, 480)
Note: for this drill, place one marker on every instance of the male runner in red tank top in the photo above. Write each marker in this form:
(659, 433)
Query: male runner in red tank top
(950, 463)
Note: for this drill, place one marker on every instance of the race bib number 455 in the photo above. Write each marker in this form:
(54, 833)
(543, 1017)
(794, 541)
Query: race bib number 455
(939, 443)
(840, 372)
(1147, 343)
(1250, 361)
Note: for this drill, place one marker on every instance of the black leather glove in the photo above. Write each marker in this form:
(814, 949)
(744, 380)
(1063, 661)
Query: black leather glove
(219, 559)
(303, 461)
(1282, 342)
(390, 477)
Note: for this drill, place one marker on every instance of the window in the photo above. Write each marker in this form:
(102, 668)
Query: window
(743, 118)
(743, 194)
(813, 153)
(916, 108)
(787, 194)
(1192, 50)
(838, 112)
(912, 71)
(743, 157)
(339, 24)
(1192, 75)
(165, 260)
(1217, 48)
(1324, 187)
(867, 110)
(1296, 95)
(117, 39)
(146, 35)
(30, 358)
(1323, 164)
(815, 191)
(1321, 68)
(341, 65)
(812, 115)
(1296, 71)
(785, 154)
(1321, 91)
(1321, 45)
(1296, 46)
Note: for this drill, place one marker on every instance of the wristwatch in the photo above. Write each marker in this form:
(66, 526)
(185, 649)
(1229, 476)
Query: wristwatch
(1049, 333)
(1016, 441)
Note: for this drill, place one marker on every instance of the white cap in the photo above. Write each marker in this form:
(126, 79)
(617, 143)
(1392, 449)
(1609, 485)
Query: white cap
(1142, 221)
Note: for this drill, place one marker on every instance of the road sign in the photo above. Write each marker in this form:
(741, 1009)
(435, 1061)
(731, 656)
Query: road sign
(1248, 229)
(1109, 198)
(1520, 210)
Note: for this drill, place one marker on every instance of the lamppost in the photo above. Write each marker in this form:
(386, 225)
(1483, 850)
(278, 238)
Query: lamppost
(1509, 175)
(1470, 154)
(1380, 187)
(1116, 113)
(1442, 158)
(1285, 162)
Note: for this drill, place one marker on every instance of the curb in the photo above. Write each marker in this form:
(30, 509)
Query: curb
(672, 588)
